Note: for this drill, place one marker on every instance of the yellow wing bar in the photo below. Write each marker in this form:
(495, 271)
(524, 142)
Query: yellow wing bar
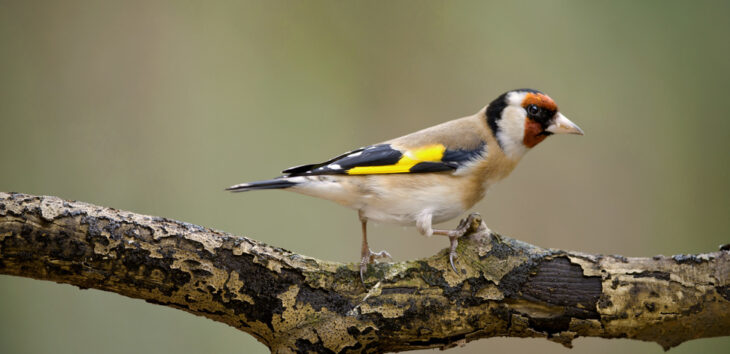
(431, 153)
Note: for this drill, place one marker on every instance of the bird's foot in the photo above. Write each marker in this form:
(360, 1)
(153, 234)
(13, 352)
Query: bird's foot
(371, 257)
(374, 256)
(471, 222)
(453, 241)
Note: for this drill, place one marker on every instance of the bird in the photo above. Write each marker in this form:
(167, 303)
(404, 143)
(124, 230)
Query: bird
(432, 175)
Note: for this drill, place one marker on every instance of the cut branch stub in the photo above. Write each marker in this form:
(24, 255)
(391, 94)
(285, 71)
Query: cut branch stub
(293, 303)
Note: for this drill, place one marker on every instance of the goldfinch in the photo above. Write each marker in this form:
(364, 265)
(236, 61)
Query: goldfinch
(432, 175)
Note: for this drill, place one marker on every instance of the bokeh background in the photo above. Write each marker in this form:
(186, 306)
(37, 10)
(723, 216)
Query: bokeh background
(155, 107)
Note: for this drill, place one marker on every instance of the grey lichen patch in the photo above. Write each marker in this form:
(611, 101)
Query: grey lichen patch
(16, 203)
(691, 258)
(51, 208)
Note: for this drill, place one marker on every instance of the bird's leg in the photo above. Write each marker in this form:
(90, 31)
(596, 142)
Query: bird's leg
(364, 251)
(453, 235)
(368, 256)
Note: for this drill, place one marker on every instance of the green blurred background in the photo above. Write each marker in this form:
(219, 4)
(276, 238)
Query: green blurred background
(155, 107)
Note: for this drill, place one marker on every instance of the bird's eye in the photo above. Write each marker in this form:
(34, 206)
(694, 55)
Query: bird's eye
(533, 110)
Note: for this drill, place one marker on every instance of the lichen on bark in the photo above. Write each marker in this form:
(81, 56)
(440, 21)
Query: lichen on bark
(294, 303)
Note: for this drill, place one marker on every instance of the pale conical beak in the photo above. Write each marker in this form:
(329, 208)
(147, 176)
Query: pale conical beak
(563, 125)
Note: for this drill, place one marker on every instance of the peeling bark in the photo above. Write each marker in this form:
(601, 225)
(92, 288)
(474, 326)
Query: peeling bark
(293, 303)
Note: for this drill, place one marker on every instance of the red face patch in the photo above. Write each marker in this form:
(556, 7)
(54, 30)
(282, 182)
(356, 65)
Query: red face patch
(541, 100)
(533, 133)
(534, 128)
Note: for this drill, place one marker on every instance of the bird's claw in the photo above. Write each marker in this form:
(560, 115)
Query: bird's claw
(465, 225)
(370, 258)
(452, 251)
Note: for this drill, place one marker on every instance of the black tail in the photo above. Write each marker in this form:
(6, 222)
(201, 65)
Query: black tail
(277, 183)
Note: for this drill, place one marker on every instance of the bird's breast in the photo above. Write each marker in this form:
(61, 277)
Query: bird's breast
(400, 199)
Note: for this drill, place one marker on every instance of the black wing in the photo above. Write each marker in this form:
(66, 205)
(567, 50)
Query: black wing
(385, 159)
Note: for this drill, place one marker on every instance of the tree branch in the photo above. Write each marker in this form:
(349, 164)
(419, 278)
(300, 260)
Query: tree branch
(295, 303)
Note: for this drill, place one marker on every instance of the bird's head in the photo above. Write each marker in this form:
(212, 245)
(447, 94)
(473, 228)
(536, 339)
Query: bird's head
(521, 119)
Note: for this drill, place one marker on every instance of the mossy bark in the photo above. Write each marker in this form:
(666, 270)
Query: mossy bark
(293, 303)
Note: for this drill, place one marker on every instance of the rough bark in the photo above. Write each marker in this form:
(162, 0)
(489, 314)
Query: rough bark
(293, 303)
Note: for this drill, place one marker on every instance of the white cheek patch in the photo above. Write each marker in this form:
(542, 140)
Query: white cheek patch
(512, 131)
